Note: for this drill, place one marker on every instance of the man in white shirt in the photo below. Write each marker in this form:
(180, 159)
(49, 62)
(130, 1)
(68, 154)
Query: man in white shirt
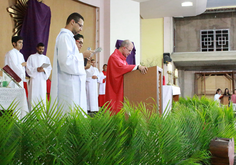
(15, 59)
(68, 75)
(92, 87)
(38, 77)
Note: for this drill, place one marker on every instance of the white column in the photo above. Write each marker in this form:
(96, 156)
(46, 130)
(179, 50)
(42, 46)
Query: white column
(168, 42)
(125, 23)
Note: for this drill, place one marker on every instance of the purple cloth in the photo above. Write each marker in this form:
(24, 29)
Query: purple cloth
(131, 58)
(35, 28)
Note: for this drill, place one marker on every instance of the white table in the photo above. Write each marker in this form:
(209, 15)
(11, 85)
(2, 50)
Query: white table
(8, 95)
(167, 96)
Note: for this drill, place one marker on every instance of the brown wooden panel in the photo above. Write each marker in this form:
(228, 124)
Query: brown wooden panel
(222, 150)
(212, 82)
(142, 88)
(175, 98)
(225, 100)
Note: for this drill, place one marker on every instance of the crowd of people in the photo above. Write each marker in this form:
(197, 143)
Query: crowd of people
(75, 77)
(230, 98)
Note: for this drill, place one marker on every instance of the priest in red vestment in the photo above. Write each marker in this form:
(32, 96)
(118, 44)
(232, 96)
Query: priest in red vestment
(116, 68)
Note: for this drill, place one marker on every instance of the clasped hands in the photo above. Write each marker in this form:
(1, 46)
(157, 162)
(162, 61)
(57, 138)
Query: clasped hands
(94, 77)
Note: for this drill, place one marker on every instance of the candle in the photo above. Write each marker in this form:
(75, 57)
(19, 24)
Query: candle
(169, 67)
(176, 72)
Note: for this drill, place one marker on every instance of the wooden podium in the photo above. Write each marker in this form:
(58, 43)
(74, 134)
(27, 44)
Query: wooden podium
(224, 100)
(146, 88)
(175, 98)
(222, 151)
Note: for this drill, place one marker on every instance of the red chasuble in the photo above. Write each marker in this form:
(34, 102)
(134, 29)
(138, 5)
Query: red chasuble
(116, 68)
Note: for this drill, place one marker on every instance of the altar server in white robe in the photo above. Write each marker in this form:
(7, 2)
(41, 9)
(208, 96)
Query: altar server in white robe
(14, 58)
(68, 73)
(93, 76)
(38, 77)
(102, 86)
(79, 40)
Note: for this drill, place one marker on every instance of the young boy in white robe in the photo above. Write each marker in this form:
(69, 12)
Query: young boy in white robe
(38, 77)
(15, 60)
(102, 86)
(93, 76)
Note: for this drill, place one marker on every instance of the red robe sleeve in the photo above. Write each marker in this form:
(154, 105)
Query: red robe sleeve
(116, 68)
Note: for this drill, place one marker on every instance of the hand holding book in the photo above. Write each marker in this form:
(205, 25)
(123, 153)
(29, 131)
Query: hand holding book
(89, 53)
(98, 50)
(45, 65)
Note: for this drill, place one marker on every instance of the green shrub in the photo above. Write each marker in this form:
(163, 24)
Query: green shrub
(133, 136)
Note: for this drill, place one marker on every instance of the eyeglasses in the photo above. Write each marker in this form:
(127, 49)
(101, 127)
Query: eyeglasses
(128, 49)
(80, 42)
(79, 24)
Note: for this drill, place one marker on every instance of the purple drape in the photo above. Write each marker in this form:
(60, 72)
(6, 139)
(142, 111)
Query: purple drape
(35, 28)
(131, 58)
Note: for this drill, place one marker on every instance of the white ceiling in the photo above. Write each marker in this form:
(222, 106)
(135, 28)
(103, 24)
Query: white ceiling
(172, 8)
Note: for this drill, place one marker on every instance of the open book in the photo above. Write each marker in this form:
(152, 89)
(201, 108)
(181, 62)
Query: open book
(12, 75)
(45, 65)
(98, 50)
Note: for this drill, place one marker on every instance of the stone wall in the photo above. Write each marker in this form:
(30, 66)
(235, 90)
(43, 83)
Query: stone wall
(187, 30)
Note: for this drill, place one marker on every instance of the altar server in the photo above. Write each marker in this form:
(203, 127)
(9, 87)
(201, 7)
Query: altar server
(116, 68)
(79, 40)
(68, 74)
(14, 58)
(102, 86)
(92, 87)
(38, 77)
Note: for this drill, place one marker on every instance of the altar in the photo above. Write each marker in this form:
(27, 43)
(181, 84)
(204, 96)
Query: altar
(169, 94)
(16, 95)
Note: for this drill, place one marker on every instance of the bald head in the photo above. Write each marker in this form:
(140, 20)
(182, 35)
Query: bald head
(126, 48)
(126, 43)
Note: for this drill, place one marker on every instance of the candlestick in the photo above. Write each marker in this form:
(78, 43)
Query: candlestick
(169, 67)
(176, 73)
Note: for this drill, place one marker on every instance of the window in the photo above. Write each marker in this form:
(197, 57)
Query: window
(214, 40)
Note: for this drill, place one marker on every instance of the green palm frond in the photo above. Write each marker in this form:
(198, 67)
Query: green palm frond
(136, 135)
(10, 134)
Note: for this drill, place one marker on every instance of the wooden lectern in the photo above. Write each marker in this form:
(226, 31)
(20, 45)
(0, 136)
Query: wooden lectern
(146, 88)
(225, 100)
(222, 151)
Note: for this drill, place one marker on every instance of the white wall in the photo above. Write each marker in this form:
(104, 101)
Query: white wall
(118, 19)
(125, 23)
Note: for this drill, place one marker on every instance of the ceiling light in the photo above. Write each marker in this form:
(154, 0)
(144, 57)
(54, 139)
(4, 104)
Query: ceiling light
(184, 4)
